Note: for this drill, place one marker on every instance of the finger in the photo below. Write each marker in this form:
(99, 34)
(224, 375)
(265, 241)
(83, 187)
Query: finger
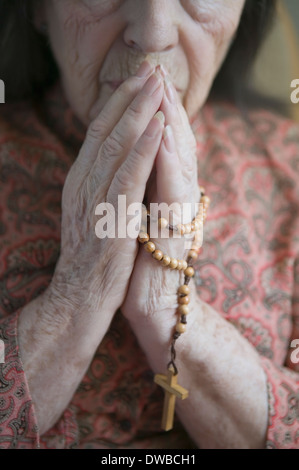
(129, 129)
(171, 185)
(290, 362)
(132, 176)
(170, 106)
(169, 174)
(176, 116)
(103, 124)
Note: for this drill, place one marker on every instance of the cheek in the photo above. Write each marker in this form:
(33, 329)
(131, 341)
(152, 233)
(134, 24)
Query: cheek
(80, 42)
(206, 46)
(201, 58)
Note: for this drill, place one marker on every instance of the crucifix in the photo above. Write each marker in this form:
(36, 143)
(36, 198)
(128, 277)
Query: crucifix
(172, 391)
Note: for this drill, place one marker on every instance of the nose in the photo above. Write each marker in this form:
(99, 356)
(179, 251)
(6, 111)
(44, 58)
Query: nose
(151, 26)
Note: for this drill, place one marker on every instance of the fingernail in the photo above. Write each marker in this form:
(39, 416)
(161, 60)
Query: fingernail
(159, 115)
(145, 68)
(152, 84)
(169, 90)
(156, 125)
(168, 139)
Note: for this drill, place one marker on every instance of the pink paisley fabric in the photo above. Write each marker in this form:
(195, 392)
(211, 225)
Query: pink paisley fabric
(249, 272)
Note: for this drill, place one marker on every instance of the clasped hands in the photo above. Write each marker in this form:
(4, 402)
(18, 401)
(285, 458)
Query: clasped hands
(129, 150)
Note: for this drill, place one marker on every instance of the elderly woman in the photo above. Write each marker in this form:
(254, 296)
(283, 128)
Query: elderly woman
(138, 98)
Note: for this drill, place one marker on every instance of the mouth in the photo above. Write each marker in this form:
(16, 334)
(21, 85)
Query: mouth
(115, 84)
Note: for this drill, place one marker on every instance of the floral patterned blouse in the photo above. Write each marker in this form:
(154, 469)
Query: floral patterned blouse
(249, 272)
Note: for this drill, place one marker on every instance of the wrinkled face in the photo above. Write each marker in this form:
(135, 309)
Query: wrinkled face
(99, 43)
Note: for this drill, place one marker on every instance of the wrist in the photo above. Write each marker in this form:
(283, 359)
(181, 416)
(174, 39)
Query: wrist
(155, 334)
(68, 314)
(76, 292)
(155, 290)
(160, 320)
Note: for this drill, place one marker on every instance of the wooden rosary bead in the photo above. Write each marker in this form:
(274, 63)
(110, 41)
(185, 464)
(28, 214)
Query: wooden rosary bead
(183, 309)
(184, 265)
(166, 260)
(193, 255)
(194, 226)
(184, 300)
(205, 200)
(181, 229)
(173, 263)
(189, 272)
(195, 247)
(179, 266)
(158, 255)
(185, 290)
(188, 229)
(163, 223)
(143, 237)
(150, 247)
(180, 328)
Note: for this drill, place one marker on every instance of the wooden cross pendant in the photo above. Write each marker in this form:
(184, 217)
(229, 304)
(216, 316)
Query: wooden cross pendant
(172, 390)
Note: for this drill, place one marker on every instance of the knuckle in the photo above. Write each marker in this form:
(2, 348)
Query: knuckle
(111, 146)
(137, 155)
(96, 128)
(123, 178)
(118, 137)
(93, 183)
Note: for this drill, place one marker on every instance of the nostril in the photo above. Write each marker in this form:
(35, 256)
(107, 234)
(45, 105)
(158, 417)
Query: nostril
(168, 48)
(133, 45)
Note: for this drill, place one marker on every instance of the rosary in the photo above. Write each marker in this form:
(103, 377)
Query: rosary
(169, 381)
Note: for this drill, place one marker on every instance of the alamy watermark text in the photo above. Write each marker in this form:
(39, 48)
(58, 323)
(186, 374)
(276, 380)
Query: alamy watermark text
(295, 92)
(295, 353)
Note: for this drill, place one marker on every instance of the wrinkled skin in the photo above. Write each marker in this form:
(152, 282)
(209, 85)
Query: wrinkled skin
(99, 43)
(98, 46)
